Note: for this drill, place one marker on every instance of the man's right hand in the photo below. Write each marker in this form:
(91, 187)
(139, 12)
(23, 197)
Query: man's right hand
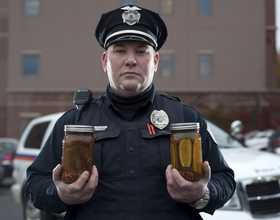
(78, 192)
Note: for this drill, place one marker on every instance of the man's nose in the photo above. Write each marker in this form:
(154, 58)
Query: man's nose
(131, 60)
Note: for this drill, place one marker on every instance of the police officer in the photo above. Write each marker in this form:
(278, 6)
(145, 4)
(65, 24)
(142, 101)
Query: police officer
(132, 177)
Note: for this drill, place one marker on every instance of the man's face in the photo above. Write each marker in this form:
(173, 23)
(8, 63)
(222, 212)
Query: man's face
(130, 66)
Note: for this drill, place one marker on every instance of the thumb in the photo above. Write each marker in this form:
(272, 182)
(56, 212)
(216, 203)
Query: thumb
(57, 171)
(206, 171)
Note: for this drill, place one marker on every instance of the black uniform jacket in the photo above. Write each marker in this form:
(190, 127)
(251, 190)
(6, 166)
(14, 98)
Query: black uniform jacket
(131, 163)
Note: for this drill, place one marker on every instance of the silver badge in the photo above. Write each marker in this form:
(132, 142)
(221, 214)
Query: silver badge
(159, 119)
(100, 128)
(131, 16)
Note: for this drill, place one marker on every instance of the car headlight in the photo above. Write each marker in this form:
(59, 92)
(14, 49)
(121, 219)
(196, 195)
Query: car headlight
(233, 203)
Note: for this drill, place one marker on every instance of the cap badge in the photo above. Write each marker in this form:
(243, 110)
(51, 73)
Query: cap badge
(131, 16)
(159, 119)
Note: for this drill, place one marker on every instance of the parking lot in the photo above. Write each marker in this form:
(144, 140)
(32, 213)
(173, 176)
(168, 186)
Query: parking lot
(9, 209)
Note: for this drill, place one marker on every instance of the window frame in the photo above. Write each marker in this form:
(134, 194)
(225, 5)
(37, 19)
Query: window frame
(162, 11)
(201, 10)
(166, 53)
(24, 64)
(123, 2)
(26, 8)
(200, 70)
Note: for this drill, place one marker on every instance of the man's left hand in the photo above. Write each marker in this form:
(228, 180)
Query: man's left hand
(185, 191)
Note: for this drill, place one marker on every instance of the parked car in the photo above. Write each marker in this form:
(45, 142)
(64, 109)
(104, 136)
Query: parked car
(260, 140)
(8, 148)
(257, 174)
(30, 144)
(274, 142)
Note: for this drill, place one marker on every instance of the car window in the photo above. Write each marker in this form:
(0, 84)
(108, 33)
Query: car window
(36, 135)
(7, 146)
(224, 139)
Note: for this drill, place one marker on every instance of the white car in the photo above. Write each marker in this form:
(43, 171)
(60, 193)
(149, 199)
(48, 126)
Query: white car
(257, 174)
(260, 140)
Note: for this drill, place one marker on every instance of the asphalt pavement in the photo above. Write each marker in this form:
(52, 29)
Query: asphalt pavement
(9, 209)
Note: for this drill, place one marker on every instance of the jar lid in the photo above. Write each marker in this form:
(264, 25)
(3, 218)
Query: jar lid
(184, 126)
(78, 128)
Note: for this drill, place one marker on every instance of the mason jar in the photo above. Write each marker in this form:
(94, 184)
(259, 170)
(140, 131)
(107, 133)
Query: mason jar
(77, 151)
(185, 149)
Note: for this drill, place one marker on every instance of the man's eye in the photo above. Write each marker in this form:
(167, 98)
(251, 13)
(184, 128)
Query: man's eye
(141, 51)
(120, 51)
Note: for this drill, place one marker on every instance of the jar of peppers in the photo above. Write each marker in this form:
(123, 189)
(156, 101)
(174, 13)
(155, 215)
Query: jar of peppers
(77, 151)
(185, 148)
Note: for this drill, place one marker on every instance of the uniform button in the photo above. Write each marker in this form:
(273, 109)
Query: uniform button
(131, 149)
(163, 132)
(131, 172)
(130, 128)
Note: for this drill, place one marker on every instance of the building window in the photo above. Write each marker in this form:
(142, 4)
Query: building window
(127, 2)
(30, 65)
(166, 65)
(205, 62)
(205, 7)
(166, 7)
(31, 7)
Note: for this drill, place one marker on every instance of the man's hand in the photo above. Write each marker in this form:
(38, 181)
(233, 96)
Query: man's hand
(77, 192)
(185, 191)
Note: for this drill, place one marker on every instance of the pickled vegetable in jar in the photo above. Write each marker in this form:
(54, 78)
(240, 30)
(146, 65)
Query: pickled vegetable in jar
(77, 151)
(185, 149)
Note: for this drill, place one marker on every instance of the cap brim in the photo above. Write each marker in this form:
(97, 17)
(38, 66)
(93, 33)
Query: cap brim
(130, 38)
(132, 35)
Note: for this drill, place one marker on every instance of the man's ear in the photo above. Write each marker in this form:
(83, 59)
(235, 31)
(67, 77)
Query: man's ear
(104, 61)
(156, 60)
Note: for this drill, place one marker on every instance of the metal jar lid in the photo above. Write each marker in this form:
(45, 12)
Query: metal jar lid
(184, 126)
(78, 128)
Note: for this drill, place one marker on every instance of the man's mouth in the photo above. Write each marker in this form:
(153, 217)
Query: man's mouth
(130, 73)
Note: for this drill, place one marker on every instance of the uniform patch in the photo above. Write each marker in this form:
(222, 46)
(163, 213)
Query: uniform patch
(209, 131)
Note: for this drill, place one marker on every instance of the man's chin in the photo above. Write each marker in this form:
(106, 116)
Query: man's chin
(133, 89)
(132, 86)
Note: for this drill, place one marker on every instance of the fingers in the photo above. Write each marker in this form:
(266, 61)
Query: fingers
(78, 192)
(182, 190)
(178, 179)
(80, 182)
(174, 180)
(174, 177)
(93, 181)
(168, 174)
(206, 171)
(57, 171)
(170, 181)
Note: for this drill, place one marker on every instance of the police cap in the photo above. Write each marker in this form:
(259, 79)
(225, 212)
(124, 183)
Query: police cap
(131, 22)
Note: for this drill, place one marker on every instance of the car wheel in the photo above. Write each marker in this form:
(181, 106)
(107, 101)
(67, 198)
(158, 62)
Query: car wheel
(31, 213)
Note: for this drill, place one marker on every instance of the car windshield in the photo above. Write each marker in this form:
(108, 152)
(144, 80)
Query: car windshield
(224, 139)
(6, 145)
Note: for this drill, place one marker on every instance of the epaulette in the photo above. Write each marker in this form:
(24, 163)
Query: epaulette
(170, 97)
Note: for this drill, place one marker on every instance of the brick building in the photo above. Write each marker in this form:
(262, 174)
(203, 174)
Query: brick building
(219, 57)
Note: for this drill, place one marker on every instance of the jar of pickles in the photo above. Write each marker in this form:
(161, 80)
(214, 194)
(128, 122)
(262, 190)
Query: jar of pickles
(77, 151)
(185, 148)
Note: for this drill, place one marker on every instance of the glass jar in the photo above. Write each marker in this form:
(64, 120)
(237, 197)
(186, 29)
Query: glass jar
(185, 149)
(77, 151)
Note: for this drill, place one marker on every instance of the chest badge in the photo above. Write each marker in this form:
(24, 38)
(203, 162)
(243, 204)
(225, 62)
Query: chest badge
(159, 119)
